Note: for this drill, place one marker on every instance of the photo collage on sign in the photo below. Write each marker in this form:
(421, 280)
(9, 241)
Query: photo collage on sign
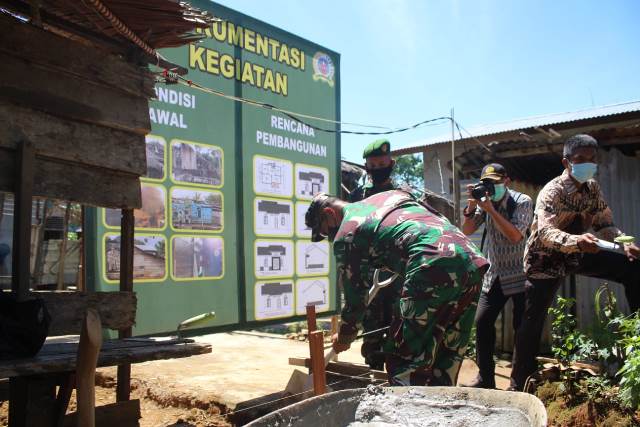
(181, 192)
(290, 270)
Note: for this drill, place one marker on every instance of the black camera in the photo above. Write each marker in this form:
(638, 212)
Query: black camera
(481, 189)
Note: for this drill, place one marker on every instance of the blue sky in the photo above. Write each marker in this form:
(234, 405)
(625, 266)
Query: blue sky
(404, 61)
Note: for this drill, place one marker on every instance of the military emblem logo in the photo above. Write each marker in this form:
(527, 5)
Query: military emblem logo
(323, 68)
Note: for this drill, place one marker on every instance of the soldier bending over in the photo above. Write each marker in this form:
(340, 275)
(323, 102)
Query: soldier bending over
(441, 276)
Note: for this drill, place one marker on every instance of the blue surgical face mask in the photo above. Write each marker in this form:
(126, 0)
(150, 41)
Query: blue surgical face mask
(583, 172)
(500, 189)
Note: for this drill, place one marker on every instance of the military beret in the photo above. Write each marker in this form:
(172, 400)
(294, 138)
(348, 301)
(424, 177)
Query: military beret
(312, 217)
(379, 147)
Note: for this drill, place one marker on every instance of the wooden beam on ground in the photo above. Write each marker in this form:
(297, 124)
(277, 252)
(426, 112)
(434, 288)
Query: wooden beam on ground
(120, 414)
(316, 340)
(23, 188)
(344, 368)
(123, 388)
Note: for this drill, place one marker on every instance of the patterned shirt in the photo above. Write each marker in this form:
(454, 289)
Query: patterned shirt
(506, 257)
(563, 212)
(392, 230)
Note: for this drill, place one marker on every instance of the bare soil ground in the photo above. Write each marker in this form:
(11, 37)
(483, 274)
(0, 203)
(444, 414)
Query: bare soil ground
(242, 367)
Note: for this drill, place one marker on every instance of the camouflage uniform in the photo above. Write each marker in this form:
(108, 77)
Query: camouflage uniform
(442, 276)
(378, 314)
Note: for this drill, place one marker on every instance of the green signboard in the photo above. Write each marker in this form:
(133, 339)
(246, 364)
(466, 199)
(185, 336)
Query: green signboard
(228, 183)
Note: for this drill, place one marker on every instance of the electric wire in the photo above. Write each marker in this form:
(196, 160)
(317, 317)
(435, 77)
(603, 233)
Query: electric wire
(299, 116)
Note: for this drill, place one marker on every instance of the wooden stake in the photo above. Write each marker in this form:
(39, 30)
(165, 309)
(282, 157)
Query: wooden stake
(312, 326)
(63, 247)
(316, 340)
(88, 351)
(335, 321)
(22, 220)
(123, 387)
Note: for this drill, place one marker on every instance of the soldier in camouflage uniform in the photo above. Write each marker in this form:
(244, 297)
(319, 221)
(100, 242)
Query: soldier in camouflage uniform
(379, 165)
(441, 274)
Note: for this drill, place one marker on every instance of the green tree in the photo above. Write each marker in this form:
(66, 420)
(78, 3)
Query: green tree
(409, 171)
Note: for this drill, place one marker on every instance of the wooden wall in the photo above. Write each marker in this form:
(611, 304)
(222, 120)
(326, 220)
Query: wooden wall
(84, 111)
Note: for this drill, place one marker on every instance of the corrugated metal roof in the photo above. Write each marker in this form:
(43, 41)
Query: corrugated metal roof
(531, 122)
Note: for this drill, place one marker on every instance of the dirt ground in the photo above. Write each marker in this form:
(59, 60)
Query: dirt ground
(241, 367)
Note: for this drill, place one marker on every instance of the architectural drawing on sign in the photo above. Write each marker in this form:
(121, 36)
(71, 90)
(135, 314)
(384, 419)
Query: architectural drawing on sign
(271, 258)
(277, 294)
(301, 228)
(310, 182)
(274, 218)
(314, 291)
(315, 257)
(312, 259)
(274, 258)
(272, 176)
(273, 299)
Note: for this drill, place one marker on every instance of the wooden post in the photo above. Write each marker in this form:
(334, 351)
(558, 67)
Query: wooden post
(123, 388)
(80, 282)
(335, 322)
(38, 268)
(22, 220)
(62, 252)
(312, 325)
(88, 351)
(316, 341)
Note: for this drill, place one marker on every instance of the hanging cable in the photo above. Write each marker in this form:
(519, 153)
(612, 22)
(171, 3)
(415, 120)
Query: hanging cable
(297, 116)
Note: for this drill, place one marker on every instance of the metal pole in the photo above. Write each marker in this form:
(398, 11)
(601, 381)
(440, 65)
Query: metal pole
(456, 202)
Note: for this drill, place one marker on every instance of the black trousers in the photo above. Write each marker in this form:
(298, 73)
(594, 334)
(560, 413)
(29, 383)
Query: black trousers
(539, 297)
(489, 307)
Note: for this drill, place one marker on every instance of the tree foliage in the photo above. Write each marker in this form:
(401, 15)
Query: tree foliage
(409, 171)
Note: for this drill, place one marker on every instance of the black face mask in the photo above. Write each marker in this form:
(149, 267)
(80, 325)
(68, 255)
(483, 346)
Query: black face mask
(378, 176)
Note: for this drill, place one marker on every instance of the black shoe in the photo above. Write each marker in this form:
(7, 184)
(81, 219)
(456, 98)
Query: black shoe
(478, 383)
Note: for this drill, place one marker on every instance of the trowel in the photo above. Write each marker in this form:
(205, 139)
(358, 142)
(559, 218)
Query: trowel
(616, 246)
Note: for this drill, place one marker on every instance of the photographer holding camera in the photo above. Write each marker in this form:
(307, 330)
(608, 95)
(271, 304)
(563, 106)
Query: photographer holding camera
(507, 216)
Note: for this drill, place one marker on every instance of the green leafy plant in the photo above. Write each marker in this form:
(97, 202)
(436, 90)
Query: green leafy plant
(630, 372)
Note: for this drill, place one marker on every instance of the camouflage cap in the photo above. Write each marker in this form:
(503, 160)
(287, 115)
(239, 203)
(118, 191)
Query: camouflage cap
(379, 147)
(313, 217)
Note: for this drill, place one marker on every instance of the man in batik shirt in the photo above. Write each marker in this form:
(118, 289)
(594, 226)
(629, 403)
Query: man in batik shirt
(567, 208)
(440, 278)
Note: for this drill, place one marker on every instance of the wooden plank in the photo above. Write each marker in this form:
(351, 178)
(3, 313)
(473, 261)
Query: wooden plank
(67, 309)
(120, 414)
(76, 59)
(66, 96)
(133, 354)
(23, 189)
(344, 368)
(74, 182)
(72, 141)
